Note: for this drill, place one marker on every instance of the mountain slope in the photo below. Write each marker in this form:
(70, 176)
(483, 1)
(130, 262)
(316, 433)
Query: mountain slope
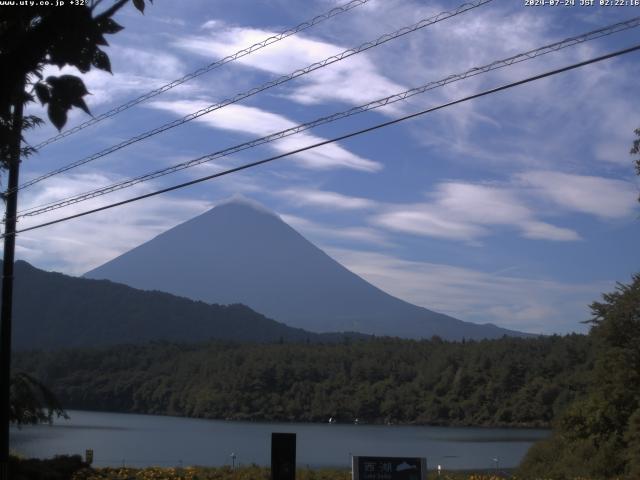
(238, 252)
(52, 310)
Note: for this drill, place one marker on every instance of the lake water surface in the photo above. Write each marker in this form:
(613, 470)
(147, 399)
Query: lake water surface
(143, 440)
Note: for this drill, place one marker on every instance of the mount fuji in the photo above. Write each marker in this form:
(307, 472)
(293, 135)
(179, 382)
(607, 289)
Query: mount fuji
(239, 252)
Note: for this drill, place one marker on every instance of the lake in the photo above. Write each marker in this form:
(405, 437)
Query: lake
(144, 440)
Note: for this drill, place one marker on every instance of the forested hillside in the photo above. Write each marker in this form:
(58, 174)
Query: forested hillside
(516, 382)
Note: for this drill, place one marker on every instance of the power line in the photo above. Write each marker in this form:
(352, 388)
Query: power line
(207, 68)
(279, 81)
(531, 54)
(333, 140)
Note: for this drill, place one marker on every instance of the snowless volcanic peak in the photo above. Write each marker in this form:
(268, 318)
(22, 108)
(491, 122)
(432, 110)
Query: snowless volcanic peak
(240, 252)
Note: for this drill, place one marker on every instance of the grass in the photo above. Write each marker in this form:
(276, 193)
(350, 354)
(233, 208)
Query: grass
(244, 473)
(73, 468)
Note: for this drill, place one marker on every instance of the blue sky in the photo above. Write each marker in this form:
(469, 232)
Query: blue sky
(517, 209)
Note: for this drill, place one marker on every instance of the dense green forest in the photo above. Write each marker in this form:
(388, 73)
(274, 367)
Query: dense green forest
(598, 435)
(511, 381)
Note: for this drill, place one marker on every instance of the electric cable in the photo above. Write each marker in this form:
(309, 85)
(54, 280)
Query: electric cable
(332, 140)
(531, 54)
(279, 81)
(207, 68)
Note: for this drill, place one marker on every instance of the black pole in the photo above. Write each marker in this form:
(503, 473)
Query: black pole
(7, 281)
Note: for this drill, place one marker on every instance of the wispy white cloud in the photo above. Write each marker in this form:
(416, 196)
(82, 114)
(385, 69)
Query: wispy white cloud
(211, 24)
(281, 57)
(322, 234)
(545, 231)
(354, 80)
(533, 305)
(482, 204)
(601, 120)
(176, 22)
(252, 120)
(325, 199)
(465, 211)
(423, 219)
(603, 197)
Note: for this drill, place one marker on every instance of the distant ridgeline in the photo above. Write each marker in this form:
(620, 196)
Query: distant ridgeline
(508, 382)
(233, 273)
(52, 310)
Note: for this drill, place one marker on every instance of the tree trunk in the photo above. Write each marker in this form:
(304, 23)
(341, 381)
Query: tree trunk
(7, 280)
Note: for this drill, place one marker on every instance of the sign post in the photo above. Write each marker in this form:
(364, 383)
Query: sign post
(283, 456)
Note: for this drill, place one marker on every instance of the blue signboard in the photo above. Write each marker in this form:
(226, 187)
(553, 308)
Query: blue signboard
(389, 468)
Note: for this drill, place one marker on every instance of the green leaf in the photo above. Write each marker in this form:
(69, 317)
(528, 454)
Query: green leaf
(57, 114)
(100, 40)
(31, 121)
(67, 85)
(43, 93)
(110, 26)
(101, 61)
(139, 4)
(83, 62)
(79, 102)
(31, 401)
(66, 91)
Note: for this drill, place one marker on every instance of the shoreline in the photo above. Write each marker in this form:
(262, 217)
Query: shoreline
(546, 427)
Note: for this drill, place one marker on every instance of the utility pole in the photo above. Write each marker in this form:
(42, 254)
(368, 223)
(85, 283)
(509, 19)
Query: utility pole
(7, 278)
